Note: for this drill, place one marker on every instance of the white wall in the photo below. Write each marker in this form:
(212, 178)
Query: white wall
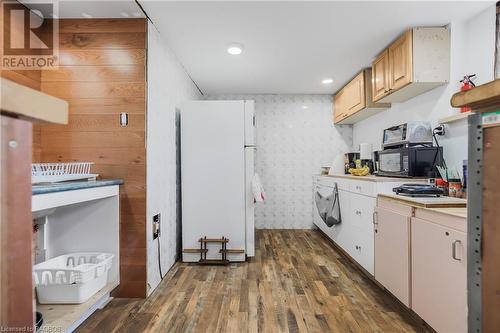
(168, 86)
(472, 51)
(295, 137)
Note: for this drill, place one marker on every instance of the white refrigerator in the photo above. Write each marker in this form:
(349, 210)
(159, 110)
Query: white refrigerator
(217, 168)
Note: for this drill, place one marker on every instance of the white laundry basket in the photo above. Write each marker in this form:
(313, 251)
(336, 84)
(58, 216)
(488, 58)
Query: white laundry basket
(71, 278)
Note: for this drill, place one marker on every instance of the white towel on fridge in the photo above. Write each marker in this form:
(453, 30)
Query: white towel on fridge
(258, 190)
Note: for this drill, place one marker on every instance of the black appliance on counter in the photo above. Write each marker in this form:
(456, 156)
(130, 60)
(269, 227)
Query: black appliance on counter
(408, 152)
(350, 161)
(419, 190)
(418, 161)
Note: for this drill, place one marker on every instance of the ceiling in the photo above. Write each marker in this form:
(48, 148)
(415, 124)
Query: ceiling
(289, 46)
(87, 8)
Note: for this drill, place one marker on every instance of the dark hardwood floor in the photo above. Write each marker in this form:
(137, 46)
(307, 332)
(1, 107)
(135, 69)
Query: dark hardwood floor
(296, 283)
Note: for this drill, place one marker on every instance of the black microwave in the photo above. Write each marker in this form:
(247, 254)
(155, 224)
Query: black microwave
(410, 161)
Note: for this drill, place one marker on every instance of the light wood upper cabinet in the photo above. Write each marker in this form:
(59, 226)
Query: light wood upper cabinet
(380, 76)
(354, 102)
(355, 94)
(418, 61)
(400, 62)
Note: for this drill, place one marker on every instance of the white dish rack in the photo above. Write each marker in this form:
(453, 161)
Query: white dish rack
(60, 172)
(71, 278)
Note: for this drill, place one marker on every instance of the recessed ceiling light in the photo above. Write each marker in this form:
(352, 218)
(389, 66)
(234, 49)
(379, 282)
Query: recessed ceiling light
(86, 15)
(327, 81)
(235, 49)
(305, 107)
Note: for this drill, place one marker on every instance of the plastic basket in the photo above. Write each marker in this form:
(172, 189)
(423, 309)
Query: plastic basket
(71, 278)
(72, 268)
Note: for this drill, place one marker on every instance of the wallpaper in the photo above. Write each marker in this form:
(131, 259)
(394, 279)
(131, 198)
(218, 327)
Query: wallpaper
(295, 137)
(168, 87)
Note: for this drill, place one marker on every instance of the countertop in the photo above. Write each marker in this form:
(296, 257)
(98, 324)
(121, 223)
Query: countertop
(428, 202)
(70, 186)
(377, 179)
(455, 211)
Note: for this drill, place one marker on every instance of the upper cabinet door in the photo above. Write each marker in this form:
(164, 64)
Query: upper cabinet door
(401, 62)
(339, 110)
(380, 76)
(355, 94)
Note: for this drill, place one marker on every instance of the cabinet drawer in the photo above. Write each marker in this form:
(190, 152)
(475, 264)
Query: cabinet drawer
(363, 187)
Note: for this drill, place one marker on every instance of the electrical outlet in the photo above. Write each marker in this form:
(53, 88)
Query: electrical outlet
(156, 226)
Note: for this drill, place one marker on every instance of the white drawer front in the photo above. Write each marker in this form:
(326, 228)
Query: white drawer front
(363, 187)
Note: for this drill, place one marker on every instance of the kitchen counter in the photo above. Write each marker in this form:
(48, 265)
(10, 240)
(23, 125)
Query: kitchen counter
(70, 186)
(377, 179)
(427, 202)
(454, 211)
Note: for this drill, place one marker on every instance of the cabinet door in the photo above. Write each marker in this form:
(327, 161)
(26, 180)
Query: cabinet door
(16, 287)
(380, 76)
(400, 62)
(355, 95)
(439, 276)
(342, 234)
(392, 253)
(339, 111)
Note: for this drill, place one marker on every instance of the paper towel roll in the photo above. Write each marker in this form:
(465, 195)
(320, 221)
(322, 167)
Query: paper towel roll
(365, 151)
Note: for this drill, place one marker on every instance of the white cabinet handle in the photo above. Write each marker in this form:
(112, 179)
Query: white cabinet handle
(454, 249)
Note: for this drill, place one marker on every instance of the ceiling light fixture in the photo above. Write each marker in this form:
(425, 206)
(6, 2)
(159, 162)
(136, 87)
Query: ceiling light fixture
(327, 81)
(235, 49)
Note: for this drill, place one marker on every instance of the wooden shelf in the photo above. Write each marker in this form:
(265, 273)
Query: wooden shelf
(26, 103)
(213, 240)
(453, 118)
(232, 251)
(195, 250)
(483, 98)
(66, 317)
(213, 262)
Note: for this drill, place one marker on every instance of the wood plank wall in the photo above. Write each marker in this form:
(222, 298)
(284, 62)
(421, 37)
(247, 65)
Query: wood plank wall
(29, 78)
(102, 73)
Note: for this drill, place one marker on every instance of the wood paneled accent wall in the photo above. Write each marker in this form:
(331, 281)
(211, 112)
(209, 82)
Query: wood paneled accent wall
(102, 73)
(29, 78)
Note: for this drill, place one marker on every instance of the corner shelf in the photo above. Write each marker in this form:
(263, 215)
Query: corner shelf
(453, 118)
(67, 317)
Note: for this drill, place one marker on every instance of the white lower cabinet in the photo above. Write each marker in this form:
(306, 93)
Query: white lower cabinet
(439, 275)
(392, 252)
(421, 258)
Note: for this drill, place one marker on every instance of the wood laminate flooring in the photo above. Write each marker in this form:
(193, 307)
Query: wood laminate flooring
(296, 283)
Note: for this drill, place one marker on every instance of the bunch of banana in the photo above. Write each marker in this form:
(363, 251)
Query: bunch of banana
(359, 171)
